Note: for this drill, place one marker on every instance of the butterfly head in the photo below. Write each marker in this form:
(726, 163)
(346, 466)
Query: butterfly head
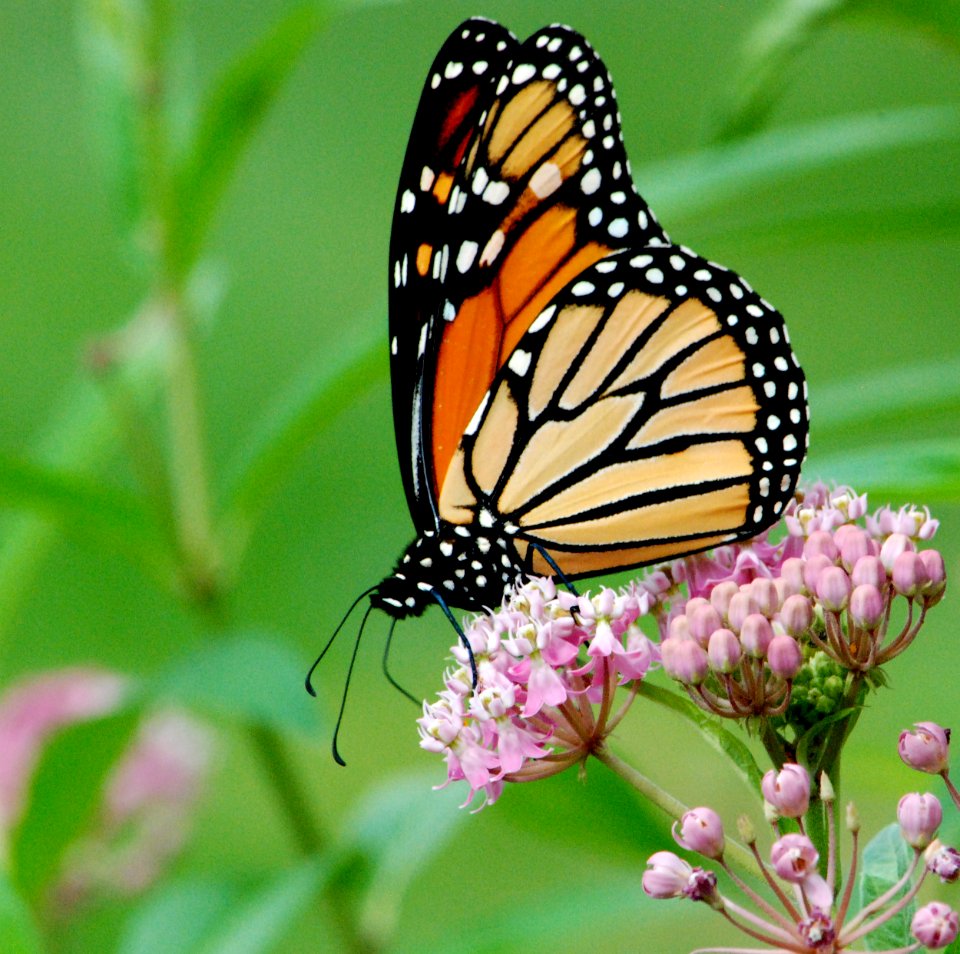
(466, 566)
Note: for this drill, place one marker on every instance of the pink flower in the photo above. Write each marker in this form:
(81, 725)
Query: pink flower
(700, 830)
(935, 925)
(788, 790)
(667, 875)
(146, 813)
(927, 749)
(919, 817)
(33, 709)
(794, 858)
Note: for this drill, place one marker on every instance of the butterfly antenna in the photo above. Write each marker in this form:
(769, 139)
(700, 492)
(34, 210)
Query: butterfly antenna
(386, 669)
(460, 636)
(553, 566)
(346, 689)
(308, 682)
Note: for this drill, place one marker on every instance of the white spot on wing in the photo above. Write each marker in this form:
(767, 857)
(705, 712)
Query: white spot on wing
(546, 180)
(466, 255)
(519, 362)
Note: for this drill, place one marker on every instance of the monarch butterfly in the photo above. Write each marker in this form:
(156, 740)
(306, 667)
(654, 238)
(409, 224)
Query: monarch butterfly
(572, 393)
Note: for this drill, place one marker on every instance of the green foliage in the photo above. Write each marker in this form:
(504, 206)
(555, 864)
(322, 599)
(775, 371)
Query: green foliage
(65, 795)
(205, 916)
(885, 860)
(251, 679)
(18, 932)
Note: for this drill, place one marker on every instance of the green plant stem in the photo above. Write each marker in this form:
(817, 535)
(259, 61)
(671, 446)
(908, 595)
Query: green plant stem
(311, 839)
(188, 473)
(734, 852)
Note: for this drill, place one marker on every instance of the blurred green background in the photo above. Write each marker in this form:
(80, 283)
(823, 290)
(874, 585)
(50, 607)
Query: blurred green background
(820, 159)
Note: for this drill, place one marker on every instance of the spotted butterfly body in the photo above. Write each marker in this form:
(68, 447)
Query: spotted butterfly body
(571, 391)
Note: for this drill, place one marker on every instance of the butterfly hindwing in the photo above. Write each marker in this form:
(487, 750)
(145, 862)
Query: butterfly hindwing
(653, 408)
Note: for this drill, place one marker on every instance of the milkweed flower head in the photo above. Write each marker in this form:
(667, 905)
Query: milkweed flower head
(775, 630)
(548, 665)
(809, 915)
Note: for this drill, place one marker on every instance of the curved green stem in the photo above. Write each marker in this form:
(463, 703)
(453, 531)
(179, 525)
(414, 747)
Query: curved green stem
(734, 851)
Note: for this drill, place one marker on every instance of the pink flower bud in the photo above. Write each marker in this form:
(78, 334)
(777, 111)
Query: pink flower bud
(919, 817)
(854, 544)
(869, 570)
(784, 656)
(866, 606)
(723, 651)
(741, 606)
(703, 621)
(765, 595)
(755, 635)
(927, 749)
(792, 573)
(794, 858)
(796, 614)
(721, 595)
(684, 660)
(700, 830)
(833, 588)
(909, 574)
(821, 542)
(666, 876)
(936, 576)
(812, 569)
(788, 790)
(935, 925)
(893, 546)
(679, 628)
(943, 861)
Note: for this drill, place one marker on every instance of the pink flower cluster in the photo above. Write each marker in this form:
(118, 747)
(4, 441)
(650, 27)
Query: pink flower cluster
(754, 612)
(811, 919)
(548, 663)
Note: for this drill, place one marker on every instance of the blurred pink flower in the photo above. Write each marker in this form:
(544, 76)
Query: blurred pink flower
(147, 798)
(33, 709)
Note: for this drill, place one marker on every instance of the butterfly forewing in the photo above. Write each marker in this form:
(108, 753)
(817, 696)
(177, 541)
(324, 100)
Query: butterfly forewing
(654, 408)
(458, 89)
(543, 192)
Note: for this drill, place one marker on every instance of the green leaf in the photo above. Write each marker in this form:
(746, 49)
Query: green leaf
(208, 916)
(253, 678)
(112, 41)
(686, 186)
(550, 922)
(228, 118)
(772, 46)
(66, 791)
(175, 918)
(398, 828)
(259, 921)
(88, 508)
(848, 405)
(293, 424)
(815, 225)
(713, 731)
(916, 470)
(18, 932)
(884, 861)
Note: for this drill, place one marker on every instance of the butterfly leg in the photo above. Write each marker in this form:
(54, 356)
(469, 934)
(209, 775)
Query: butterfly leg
(386, 668)
(553, 566)
(460, 635)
